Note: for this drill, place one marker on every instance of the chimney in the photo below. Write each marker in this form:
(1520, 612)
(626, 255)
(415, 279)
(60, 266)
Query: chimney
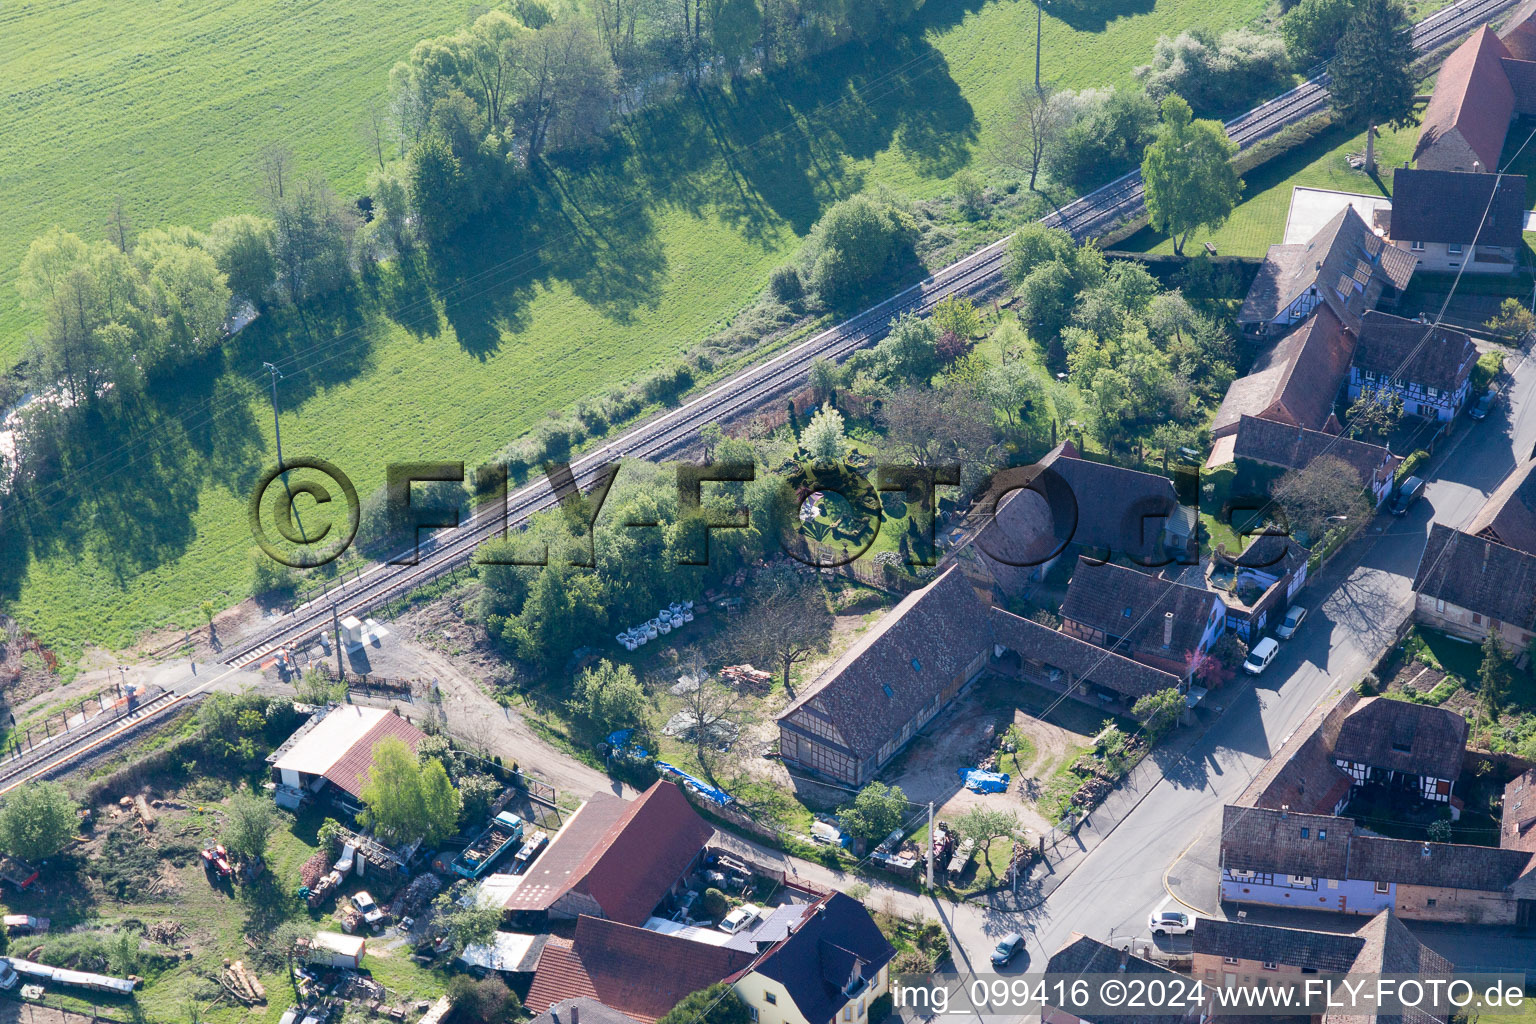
(1125, 958)
(1426, 851)
(1477, 166)
(1167, 629)
(575, 1014)
(1285, 811)
(1485, 557)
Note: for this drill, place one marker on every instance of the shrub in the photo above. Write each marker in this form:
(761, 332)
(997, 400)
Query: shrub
(785, 284)
(714, 903)
(1410, 465)
(855, 244)
(1216, 74)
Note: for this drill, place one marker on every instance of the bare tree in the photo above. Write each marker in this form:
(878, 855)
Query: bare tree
(378, 127)
(717, 713)
(787, 621)
(1039, 117)
(954, 425)
(118, 225)
(276, 170)
(1325, 491)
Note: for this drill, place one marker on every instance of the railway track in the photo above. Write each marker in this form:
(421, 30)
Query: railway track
(66, 747)
(1124, 196)
(1119, 198)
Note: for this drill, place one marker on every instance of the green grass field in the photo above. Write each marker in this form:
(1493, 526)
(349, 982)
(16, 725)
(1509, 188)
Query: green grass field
(644, 253)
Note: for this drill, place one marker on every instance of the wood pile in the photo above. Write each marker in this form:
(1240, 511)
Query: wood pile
(242, 983)
(165, 932)
(314, 869)
(146, 815)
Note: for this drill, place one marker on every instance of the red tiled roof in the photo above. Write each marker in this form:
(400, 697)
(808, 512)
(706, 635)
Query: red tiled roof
(1519, 32)
(551, 875)
(638, 972)
(1472, 96)
(347, 773)
(642, 854)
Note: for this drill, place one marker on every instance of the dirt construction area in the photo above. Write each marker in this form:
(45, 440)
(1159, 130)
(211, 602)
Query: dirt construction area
(972, 728)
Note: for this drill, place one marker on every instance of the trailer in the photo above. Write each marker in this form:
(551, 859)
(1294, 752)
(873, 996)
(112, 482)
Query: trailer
(75, 979)
(530, 850)
(332, 949)
(504, 830)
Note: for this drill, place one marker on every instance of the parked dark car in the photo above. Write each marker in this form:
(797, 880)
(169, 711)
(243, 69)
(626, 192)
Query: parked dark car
(1480, 409)
(1412, 490)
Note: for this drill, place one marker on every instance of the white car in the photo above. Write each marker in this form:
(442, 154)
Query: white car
(369, 909)
(1262, 654)
(1171, 922)
(740, 918)
(1293, 620)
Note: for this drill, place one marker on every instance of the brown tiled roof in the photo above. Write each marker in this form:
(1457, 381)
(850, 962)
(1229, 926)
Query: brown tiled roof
(899, 664)
(1080, 501)
(1116, 599)
(1328, 952)
(1281, 444)
(1302, 774)
(638, 972)
(1518, 827)
(1522, 79)
(350, 769)
(1518, 33)
(1258, 839)
(1083, 955)
(642, 854)
(552, 873)
(1404, 737)
(1296, 381)
(1459, 866)
(816, 963)
(1479, 575)
(1390, 948)
(589, 1010)
(1415, 352)
(1078, 657)
(1448, 206)
(1473, 97)
(1344, 254)
(1509, 514)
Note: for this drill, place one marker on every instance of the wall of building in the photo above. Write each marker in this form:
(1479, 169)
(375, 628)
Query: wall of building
(1443, 405)
(1438, 257)
(1213, 969)
(1449, 152)
(755, 990)
(1464, 622)
(1467, 906)
(1342, 896)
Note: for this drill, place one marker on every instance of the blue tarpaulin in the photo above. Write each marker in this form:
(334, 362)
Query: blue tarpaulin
(699, 786)
(619, 742)
(619, 738)
(978, 781)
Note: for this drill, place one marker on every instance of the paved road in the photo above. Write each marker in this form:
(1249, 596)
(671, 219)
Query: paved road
(1121, 882)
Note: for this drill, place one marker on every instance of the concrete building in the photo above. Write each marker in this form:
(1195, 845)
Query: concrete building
(1472, 586)
(1450, 221)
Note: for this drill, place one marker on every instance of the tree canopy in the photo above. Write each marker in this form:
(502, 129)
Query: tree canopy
(405, 799)
(875, 813)
(1371, 79)
(608, 696)
(717, 1004)
(1188, 172)
(249, 823)
(36, 820)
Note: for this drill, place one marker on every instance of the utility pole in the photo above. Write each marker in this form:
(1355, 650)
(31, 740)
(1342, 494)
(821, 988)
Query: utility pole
(341, 673)
(1039, 24)
(930, 845)
(277, 375)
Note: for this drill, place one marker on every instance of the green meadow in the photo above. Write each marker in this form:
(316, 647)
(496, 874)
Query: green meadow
(619, 263)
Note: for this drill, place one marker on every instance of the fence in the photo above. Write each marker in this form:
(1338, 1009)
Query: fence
(41, 1011)
(80, 717)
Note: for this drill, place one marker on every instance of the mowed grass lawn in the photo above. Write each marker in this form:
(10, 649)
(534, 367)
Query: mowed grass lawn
(635, 259)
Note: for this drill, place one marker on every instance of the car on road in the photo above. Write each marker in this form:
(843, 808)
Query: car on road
(1292, 622)
(1171, 922)
(1411, 490)
(1007, 948)
(1262, 654)
(1480, 409)
(369, 909)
